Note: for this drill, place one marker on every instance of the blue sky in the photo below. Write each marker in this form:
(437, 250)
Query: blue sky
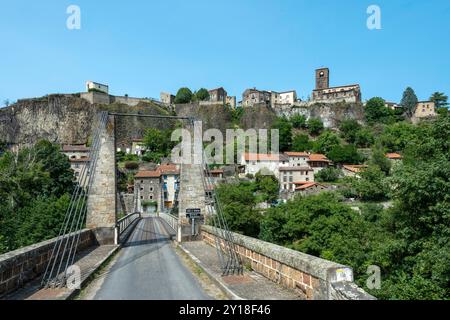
(143, 47)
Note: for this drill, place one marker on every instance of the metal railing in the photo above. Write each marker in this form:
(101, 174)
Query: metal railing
(171, 220)
(123, 224)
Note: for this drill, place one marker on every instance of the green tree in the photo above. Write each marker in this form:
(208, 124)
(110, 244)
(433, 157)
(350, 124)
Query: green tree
(238, 202)
(326, 142)
(364, 138)
(202, 95)
(268, 186)
(285, 133)
(184, 95)
(298, 121)
(379, 159)
(349, 129)
(372, 186)
(302, 143)
(397, 136)
(345, 154)
(376, 111)
(315, 126)
(409, 101)
(439, 99)
(328, 175)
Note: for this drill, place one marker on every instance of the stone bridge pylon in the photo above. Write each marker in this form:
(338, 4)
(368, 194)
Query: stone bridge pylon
(101, 208)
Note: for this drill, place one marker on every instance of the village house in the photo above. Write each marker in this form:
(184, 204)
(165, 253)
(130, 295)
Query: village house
(289, 176)
(283, 98)
(309, 188)
(255, 163)
(218, 95)
(298, 159)
(138, 147)
(78, 157)
(148, 186)
(424, 110)
(170, 179)
(318, 162)
(326, 94)
(252, 97)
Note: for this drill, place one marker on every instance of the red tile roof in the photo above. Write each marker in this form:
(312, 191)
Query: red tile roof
(297, 154)
(168, 169)
(394, 156)
(317, 157)
(306, 185)
(264, 157)
(148, 174)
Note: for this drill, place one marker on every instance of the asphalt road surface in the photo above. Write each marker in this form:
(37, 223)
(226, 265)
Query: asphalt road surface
(148, 268)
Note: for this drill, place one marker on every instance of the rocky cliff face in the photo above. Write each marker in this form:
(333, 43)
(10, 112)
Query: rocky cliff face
(67, 119)
(330, 114)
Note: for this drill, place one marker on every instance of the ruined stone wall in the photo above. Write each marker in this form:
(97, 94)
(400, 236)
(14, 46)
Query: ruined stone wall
(317, 278)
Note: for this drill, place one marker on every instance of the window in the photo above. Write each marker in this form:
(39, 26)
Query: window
(151, 197)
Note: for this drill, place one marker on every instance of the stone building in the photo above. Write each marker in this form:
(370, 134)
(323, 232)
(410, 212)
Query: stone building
(94, 86)
(318, 162)
(167, 98)
(148, 184)
(252, 97)
(424, 110)
(218, 95)
(270, 163)
(289, 176)
(298, 159)
(231, 101)
(170, 182)
(284, 98)
(326, 94)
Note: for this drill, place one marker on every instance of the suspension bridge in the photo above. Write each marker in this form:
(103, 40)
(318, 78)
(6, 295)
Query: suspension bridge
(147, 265)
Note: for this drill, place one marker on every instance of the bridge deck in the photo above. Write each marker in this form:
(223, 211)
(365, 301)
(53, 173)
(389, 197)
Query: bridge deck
(148, 268)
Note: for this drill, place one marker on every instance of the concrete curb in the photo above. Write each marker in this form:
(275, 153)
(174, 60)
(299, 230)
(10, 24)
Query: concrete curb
(227, 291)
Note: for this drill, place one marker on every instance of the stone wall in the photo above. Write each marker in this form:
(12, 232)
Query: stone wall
(24, 265)
(317, 278)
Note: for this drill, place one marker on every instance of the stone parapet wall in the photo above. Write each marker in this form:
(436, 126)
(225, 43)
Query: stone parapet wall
(317, 278)
(26, 264)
